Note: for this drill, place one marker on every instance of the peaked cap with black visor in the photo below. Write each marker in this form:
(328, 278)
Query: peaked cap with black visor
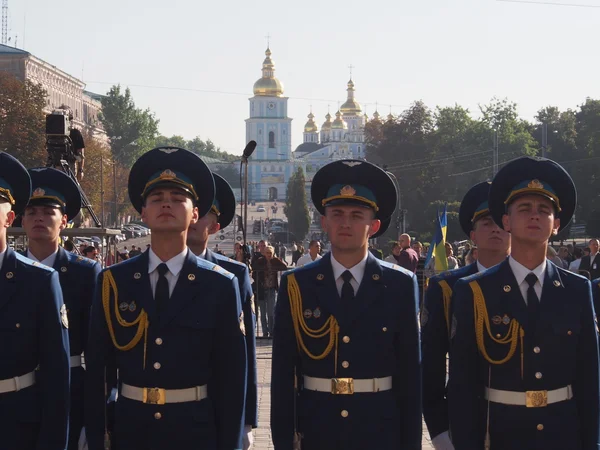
(357, 183)
(224, 203)
(474, 206)
(172, 167)
(51, 187)
(15, 183)
(533, 176)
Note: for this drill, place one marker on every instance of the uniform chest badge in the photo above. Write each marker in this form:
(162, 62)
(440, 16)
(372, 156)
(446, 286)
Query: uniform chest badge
(505, 319)
(308, 313)
(132, 306)
(506, 288)
(123, 306)
(317, 313)
(63, 316)
(496, 320)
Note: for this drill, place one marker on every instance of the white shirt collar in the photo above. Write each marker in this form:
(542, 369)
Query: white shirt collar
(175, 264)
(480, 267)
(520, 271)
(357, 271)
(202, 255)
(593, 256)
(49, 261)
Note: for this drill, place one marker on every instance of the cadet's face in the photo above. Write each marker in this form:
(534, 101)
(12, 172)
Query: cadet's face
(198, 232)
(349, 227)
(169, 210)
(531, 218)
(43, 222)
(489, 236)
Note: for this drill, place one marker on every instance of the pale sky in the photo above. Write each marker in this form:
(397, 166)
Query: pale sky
(171, 52)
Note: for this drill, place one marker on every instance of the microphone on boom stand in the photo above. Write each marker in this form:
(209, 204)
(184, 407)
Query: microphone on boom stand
(248, 150)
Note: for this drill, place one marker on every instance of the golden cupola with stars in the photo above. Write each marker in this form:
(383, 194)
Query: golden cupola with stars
(311, 126)
(327, 124)
(268, 85)
(351, 107)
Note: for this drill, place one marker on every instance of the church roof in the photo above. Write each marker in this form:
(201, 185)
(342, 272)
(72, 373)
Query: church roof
(308, 147)
(5, 49)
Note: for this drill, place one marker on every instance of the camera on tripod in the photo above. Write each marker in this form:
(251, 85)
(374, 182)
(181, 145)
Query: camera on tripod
(58, 141)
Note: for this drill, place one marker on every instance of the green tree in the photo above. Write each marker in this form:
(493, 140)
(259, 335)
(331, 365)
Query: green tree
(22, 123)
(296, 208)
(131, 131)
(231, 172)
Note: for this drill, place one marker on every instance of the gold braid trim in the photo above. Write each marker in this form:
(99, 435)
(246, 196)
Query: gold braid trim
(447, 296)
(330, 327)
(515, 331)
(142, 322)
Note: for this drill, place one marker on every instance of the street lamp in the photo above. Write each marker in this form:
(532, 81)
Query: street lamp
(399, 211)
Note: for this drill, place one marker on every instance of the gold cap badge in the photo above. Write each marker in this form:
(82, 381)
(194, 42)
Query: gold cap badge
(535, 184)
(39, 192)
(168, 175)
(348, 191)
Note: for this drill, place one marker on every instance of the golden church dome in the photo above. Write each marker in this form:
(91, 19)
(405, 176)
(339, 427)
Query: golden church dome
(351, 107)
(311, 126)
(268, 85)
(338, 123)
(327, 124)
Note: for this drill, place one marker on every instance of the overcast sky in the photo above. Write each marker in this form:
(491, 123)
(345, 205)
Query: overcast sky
(194, 62)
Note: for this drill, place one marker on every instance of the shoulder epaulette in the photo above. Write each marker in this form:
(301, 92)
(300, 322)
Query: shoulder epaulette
(31, 263)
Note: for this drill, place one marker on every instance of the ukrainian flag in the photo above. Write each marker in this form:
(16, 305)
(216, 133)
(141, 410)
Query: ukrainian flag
(437, 247)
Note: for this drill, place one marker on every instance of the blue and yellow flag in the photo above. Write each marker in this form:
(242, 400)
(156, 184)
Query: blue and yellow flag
(441, 261)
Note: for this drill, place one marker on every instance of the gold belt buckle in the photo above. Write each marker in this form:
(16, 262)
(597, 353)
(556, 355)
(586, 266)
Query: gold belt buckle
(153, 396)
(536, 399)
(343, 386)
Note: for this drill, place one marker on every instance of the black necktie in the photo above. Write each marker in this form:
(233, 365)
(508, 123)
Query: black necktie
(162, 287)
(347, 289)
(533, 302)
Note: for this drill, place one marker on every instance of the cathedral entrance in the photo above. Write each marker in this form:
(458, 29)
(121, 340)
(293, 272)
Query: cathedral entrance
(272, 193)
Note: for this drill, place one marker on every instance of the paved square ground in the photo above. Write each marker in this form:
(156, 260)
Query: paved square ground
(262, 435)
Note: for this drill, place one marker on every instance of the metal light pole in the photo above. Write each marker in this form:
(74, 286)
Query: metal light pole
(399, 219)
(544, 139)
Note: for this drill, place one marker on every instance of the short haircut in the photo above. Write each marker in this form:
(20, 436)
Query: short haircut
(313, 242)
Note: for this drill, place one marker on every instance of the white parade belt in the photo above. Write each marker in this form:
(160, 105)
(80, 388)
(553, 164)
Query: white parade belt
(158, 396)
(346, 386)
(531, 399)
(17, 383)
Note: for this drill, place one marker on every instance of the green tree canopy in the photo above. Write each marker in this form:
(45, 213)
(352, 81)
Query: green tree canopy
(131, 131)
(22, 122)
(296, 208)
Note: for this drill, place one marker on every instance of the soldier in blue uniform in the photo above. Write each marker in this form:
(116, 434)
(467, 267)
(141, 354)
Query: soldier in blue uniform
(34, 405)
(220, 216)
(524, 344)
(493, 244)
(55, 200)
(346, 329)
(170, 323)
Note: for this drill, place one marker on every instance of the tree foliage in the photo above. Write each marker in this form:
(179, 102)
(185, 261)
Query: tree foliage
(131, 131)
(22, 123)
(438, 155)
(202, 148)
(296, 208)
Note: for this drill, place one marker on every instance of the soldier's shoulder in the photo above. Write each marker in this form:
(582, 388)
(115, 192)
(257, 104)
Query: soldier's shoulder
(32, 267)
(573, 279)
(307, 270)
(394, 270)
(81, 261)
(231, 265)
(210, 267)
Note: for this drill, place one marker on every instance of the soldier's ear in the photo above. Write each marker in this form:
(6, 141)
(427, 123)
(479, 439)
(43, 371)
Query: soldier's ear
(506, 222)
(555, 227)
(10, 218)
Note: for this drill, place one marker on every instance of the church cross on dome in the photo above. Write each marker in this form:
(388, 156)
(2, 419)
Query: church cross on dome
(351, 67)
(268, 38)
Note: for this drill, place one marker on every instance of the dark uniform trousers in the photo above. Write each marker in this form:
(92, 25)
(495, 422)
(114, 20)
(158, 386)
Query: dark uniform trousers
(563, 351)
(435, 343)
(378, 337)
(33, 334)
(78, 276)
(243, 276)
(596, 294)
(197, 339)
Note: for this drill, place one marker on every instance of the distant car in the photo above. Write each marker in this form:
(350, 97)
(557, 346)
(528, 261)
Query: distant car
(260, 209)
(276, 228)
(256, 227)
(230, 235)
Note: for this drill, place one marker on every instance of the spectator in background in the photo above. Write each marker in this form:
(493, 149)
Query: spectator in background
(314, 248)
(266, 269)
(452, 261)
(553, 256)
(471, 256)
(297, 252)
(563, 254)
(571, 256)
(418, 248)
(69, 246)
(90, 252)
(282, 252)
(578, 254)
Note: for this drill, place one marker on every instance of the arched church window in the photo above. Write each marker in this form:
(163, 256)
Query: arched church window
(259, 132)
(271, 139)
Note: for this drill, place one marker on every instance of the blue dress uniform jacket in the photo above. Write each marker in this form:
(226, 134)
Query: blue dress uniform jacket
(78, 276)
(378, 337)
(33, 333)
(563, 351)
(243, 276)
(435, 343)
(197, 340)
(596, 294)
